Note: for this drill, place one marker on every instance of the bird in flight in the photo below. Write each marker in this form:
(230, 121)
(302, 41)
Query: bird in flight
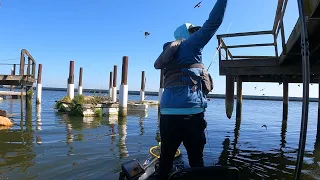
(262, 89)
(264, 126)
(299, 85)
(255, 88)
(197, 5)
(146, 34)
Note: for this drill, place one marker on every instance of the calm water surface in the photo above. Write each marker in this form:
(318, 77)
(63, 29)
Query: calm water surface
(48, 145)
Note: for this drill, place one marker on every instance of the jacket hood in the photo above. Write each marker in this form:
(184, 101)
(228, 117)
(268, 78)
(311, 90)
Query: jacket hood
(182, 31)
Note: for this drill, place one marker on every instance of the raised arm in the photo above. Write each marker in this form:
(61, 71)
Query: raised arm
(200, 38)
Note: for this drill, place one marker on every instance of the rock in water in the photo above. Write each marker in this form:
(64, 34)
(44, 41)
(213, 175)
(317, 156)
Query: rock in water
(4, 121)
(3, 113)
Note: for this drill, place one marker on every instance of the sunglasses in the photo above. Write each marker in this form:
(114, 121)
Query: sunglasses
(194, 29)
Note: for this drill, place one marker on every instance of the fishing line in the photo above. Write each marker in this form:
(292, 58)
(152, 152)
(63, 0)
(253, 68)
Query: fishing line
(218, 49)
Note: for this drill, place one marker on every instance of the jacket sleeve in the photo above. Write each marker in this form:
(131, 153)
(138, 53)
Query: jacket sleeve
(160, 62)
(200, 38)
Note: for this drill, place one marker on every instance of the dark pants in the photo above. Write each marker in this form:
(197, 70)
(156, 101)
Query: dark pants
(175, 129)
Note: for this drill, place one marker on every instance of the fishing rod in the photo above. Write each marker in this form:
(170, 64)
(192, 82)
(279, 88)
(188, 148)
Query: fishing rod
(218, 49)
(306, 81)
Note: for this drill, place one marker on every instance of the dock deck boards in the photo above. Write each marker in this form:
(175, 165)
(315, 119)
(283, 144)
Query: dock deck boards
(286, 64)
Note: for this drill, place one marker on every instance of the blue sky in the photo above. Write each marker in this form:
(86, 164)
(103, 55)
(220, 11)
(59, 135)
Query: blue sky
(96, 34)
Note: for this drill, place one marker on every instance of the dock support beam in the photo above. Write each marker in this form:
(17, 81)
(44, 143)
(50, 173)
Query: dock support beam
(114, 87)
(39, 85)
(80, 82)
(143, 81)
(110, 85)
(29, 93)
(239, 98)
(285, 99)
(123, 99)
(161, 89)
(229, 101)
(13, 72)
(71, 81)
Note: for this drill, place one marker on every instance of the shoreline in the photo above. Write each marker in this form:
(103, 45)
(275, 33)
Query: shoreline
(151, 93)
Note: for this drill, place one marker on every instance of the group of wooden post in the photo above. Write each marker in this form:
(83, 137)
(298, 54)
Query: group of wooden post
(285, 98)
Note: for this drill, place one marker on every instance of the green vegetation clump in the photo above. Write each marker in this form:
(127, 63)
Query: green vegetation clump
(98, 112)
(75, 106)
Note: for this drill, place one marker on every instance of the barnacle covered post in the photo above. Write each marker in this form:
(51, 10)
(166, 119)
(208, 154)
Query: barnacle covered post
(123, 94)
(70, 88)
(114, 87)
(80, 81)
(39, 85)
(142, 94)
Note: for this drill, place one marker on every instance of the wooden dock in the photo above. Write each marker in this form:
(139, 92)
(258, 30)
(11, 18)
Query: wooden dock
(283, 67)
(24, 78)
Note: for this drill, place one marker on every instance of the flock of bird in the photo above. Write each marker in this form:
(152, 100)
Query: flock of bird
(146, 33)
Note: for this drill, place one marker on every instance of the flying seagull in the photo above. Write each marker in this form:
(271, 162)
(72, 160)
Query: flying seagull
(146, 34)
(264, 126)
(197, 5)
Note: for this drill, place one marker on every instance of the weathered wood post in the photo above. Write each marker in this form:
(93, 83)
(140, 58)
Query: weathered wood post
(123, 99)
(70, 87)
(12, 74)
(80, 82)
(285, 99)
(29, 94)
(114, 87)
(39, 85)
(229, 100)
(239, 98)
(161, 89)
(143, 81)
(110, 85)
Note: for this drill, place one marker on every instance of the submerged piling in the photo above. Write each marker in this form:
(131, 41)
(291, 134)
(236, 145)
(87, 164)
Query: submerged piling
(114, 87)
(161, 89)
(29, 94)
(80, 82)
(70, 88)
(239, 98)
(12, 74)
(110, 85)
(285, 99)
(143, 81)
(39, 85)
(123, 99)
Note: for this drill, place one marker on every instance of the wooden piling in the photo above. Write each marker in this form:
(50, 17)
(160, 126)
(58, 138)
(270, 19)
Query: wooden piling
(229, 100)
(161, 89)
(71, 80)
(80, 81)
(239, 98)
(110, 85)
(39, 85)
(12, 74)
(29, 94)
(143, 81)
(114, 87)
(123, 93)
(285, 99)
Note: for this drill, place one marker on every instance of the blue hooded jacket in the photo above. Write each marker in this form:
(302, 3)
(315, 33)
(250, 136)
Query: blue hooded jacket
(185, 99)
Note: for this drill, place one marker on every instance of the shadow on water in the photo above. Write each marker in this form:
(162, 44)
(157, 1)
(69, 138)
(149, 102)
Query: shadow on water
(16, 154)
(277, 163)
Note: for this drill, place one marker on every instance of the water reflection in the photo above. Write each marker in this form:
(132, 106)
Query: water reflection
(122, 130)
(16, 152)
(38, 119)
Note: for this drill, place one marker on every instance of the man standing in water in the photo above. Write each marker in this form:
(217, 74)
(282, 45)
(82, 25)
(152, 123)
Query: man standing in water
(184, 100)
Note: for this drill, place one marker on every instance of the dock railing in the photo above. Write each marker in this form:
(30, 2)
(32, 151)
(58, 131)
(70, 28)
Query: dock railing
(277, 27)
(31, 66)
